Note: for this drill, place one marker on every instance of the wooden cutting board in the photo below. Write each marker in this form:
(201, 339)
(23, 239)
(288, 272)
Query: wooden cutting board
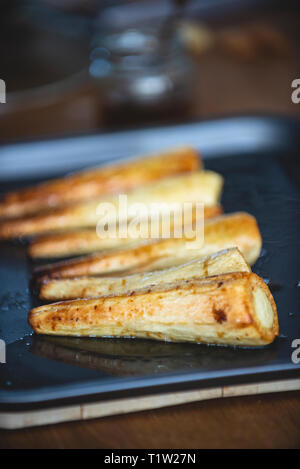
(24, 419)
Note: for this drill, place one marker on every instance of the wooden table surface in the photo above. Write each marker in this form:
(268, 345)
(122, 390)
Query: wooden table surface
(223, 85)
(266, 421)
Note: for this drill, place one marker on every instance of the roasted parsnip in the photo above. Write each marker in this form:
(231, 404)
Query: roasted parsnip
(197, 186)
(87, 241)
(229, 260)
(231, 309)
(235, 230)
(97, 182)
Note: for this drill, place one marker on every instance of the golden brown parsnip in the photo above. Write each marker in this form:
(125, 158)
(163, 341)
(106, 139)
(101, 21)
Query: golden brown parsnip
(97, 182)
(235, 230)
(231, 309)
(197, 186)
(87, 240)
(229, 260)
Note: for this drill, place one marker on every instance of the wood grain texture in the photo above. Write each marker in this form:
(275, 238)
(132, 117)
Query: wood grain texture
(41, 417)
(250, 422)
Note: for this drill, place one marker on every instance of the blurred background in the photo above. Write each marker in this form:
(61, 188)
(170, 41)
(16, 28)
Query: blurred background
(73, 66)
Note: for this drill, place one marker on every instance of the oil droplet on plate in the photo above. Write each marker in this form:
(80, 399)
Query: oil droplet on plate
(263, 252)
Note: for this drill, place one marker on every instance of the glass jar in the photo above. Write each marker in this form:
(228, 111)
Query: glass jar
(144, 75)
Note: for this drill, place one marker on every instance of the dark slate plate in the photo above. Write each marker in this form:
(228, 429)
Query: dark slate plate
(259, 158)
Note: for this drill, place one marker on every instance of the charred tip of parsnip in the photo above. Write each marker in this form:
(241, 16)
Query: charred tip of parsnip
(229, 260)
(97, 182)
(86, 241)
(229, 309)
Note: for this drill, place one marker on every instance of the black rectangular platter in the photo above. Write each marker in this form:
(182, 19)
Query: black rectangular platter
(259, 158)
